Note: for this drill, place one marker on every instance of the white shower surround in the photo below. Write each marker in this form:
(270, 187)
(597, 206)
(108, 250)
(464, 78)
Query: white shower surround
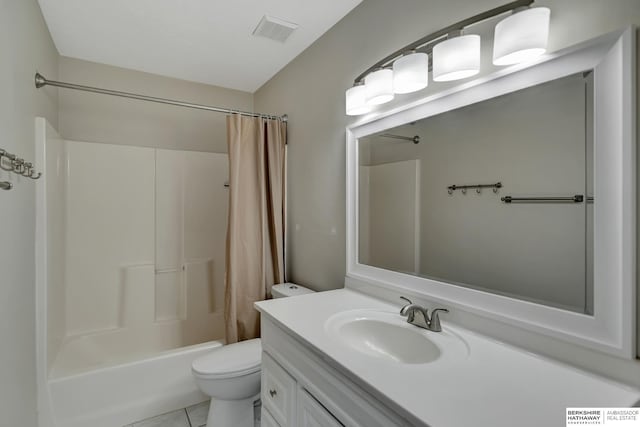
(129, 369)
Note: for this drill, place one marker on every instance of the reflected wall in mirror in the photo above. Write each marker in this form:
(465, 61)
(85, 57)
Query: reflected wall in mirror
(536, 143)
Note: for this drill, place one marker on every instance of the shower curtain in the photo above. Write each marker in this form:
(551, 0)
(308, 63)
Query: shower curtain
(255, 230)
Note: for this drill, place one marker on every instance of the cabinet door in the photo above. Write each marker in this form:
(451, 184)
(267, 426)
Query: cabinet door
(267, 420)
(278, 392)
(312, 414)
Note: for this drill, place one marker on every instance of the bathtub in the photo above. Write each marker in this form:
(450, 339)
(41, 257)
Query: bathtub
(115, 396)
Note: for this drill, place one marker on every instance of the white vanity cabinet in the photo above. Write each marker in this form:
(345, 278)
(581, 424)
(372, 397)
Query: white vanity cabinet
(300, 389)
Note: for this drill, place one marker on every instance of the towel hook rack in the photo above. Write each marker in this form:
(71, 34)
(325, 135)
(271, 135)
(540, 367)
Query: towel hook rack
(478, 187)
(12, 163)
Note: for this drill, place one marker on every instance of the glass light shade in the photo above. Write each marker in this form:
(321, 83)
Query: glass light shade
(379, 87)
(456, 58)
(356, 101)
(411, 73)
(521, 37)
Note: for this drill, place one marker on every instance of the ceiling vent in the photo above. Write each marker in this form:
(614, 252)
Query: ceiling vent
(274, 29)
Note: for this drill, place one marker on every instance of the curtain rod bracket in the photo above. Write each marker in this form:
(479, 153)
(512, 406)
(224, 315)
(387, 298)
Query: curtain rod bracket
(40, 80)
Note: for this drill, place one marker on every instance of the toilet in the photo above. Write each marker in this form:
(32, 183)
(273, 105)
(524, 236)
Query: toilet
(231, 374)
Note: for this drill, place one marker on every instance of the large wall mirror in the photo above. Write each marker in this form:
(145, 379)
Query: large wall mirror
(495, 196)
(512, 197)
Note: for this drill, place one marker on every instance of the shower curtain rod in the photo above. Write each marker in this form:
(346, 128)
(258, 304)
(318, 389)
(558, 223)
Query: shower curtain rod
(41, 81)
(414, 139)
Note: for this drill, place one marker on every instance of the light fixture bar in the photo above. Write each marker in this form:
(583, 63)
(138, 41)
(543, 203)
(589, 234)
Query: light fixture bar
(426, 43)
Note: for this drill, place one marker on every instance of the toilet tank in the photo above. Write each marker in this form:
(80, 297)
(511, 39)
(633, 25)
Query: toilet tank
(289, 290)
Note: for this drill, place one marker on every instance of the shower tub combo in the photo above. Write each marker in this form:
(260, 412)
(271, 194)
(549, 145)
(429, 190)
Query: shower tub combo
(130, 277)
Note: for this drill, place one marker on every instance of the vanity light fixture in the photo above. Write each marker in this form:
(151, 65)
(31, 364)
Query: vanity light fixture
(378, 86)
(456, 58)
(411, 72)
(520, 37)
(356, 101)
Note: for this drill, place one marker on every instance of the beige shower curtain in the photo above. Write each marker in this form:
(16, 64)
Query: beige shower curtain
(255, 233)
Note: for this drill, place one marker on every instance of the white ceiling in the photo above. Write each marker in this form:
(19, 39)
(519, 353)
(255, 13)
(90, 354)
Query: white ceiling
(207, 41)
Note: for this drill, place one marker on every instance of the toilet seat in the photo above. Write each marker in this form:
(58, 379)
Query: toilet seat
(229, 361)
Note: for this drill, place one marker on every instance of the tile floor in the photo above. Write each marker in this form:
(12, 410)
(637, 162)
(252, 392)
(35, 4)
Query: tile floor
(192, 416)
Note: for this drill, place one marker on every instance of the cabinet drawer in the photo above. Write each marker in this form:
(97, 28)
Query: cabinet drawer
(278, 392)
(266, 420)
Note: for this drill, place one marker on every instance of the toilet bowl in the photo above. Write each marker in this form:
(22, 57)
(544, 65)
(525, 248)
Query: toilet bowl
(230, 375)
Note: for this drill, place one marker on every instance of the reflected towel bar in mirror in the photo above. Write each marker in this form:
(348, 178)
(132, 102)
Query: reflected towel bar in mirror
(578, 198)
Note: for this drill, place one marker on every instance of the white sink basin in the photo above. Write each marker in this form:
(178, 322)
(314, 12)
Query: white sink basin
(388, 336)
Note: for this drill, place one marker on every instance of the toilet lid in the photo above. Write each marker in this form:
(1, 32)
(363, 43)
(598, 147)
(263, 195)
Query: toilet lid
(231, 360)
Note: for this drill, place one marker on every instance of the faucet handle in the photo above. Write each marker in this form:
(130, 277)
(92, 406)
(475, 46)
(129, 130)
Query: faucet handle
(403, 310)
(434, 323)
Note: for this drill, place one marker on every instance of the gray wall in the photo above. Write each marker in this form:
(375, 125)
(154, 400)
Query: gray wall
(100, 118)
(25, 46)
(311, 90)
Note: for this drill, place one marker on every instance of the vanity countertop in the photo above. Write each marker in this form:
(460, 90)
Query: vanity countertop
(494, 385)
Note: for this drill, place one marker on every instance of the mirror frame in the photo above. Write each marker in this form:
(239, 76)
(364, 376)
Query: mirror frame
(612, 327)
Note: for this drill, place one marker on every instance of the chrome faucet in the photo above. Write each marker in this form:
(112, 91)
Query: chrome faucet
(419, 316)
